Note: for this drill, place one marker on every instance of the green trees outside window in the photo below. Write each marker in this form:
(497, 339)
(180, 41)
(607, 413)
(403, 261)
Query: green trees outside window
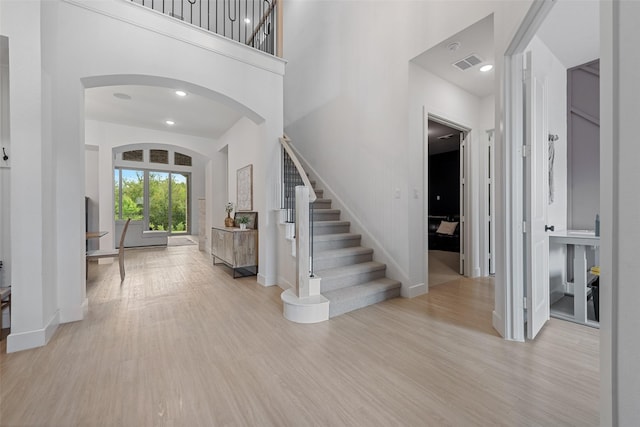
(132, 194)
(167, 203)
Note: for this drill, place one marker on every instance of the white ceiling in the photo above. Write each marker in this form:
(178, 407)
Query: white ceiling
(477, 39)
(149, 107)
(572, 31)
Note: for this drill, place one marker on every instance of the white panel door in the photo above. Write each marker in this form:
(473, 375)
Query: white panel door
(536, 185)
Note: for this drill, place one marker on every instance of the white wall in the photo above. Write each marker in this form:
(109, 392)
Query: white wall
(242, 142)
(112, 138)
(431, 94)
(35, 314)
(60, 47)
(620, 208)
(349, 108)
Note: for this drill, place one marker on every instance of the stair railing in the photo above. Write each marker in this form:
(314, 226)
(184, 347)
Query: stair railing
(256, 23)
(297, 202)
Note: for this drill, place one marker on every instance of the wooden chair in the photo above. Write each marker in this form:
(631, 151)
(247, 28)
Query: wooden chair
(112, 253)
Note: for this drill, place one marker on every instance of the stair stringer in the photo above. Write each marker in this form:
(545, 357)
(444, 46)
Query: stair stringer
(394, 271)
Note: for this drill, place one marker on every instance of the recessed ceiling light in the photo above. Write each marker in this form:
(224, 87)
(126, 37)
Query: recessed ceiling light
(181, 93)
(247, 21)
(170, 122)
(124, 96)
(486, 68)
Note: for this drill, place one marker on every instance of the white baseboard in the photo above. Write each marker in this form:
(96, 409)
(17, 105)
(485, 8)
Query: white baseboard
(284, 284)
(74, 314)
(265, 281)
(32, 339)
(414, 290)
(498, 323)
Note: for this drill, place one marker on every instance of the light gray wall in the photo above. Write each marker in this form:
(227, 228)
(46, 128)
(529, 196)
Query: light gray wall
(583, 111)
(620, 208)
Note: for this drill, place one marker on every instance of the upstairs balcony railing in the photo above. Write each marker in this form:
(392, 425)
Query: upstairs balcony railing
(255, 23)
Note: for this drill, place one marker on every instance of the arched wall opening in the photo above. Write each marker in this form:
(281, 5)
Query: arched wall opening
(57, 63)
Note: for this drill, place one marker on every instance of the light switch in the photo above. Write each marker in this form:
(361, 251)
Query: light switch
(396, 193)
(438, 197)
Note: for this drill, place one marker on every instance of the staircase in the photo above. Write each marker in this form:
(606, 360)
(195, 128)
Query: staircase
(350, 279)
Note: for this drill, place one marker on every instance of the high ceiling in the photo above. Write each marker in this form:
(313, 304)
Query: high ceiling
(150, 107)
(570, 31)
(476, 39)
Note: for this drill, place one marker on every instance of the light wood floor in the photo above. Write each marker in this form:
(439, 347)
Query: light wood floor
(180, 343)
(444, 267)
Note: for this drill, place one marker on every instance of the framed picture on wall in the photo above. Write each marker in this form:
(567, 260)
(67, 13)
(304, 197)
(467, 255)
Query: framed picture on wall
(244, 201)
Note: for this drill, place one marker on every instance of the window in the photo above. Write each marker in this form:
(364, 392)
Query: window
(133, 156)
(181, 159)
(129, 194)
(161, 199)
(159, 156)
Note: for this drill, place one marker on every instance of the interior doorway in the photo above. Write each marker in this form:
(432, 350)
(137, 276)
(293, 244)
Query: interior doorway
(447, 200)
(554, 37)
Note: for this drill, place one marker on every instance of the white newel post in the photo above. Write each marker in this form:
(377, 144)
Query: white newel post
(304, 304)
(302, 242)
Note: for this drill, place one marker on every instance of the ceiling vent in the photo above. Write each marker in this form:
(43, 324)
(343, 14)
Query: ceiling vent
(468, 62)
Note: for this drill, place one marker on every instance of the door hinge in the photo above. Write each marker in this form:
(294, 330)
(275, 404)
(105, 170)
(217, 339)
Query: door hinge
(524, 301)
(526, 150)
(524, 227)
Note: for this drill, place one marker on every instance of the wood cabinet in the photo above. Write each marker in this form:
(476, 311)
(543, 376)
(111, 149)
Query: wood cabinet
(236, 248)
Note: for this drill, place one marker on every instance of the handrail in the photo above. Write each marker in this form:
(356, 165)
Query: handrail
(284, 141)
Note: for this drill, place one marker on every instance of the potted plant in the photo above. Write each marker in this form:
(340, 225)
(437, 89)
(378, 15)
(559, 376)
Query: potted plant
(228, 221)
(243, 221)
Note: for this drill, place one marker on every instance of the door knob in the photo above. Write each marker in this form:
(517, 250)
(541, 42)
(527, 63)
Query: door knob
(549, 228)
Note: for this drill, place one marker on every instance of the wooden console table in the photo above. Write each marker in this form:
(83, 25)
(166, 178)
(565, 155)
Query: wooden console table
(236, 248)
